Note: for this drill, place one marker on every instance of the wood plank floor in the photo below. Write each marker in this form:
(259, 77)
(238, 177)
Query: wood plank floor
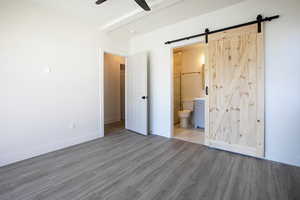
(127, 166)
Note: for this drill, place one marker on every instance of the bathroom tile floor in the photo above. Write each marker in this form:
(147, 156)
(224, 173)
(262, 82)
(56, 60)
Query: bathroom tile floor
(194, 135)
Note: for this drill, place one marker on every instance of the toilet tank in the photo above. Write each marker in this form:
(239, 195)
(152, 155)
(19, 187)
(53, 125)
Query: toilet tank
(188, 104)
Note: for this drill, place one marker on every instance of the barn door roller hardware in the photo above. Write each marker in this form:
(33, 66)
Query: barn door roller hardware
(258, 21)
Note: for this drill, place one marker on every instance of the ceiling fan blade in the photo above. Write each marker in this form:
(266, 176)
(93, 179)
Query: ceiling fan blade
(143, 4)
(100, 1)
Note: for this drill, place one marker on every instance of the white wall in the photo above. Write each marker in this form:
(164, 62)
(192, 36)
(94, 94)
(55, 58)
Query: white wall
(282, 70)
(40, 111)
(112, 87)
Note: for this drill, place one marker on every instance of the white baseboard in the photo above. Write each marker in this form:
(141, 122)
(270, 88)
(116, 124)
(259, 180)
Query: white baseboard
(165, 133)
(292, 162)
(7, 158)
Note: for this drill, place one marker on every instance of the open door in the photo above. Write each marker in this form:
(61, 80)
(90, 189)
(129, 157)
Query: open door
(236, 91)
(136, 94)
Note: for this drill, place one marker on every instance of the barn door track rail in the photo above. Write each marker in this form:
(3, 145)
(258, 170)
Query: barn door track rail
(258, 21)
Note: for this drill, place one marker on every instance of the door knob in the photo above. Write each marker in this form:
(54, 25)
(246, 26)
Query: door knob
(144, 97)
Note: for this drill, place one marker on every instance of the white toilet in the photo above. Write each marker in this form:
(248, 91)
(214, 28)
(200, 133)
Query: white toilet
(186, 113)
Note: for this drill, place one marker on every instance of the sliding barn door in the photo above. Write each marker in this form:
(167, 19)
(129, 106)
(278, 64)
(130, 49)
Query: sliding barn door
(236, 91)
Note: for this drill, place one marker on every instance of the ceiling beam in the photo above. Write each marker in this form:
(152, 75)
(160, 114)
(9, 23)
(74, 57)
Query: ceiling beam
(139, 13)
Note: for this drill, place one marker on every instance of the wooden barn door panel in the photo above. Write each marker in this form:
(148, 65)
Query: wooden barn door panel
(236, 95)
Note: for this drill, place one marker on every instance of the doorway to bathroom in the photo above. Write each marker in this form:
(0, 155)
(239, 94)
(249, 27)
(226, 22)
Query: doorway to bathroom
(234, 91)
(189, 93)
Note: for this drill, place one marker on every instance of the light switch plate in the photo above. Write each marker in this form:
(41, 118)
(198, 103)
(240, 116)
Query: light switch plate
(47, 70)
(72, 125)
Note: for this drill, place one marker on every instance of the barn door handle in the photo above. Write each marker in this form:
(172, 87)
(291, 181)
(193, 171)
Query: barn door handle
(144, 97)
(206, 90)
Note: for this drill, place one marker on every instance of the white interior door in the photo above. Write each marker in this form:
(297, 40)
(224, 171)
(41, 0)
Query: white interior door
(136, 93)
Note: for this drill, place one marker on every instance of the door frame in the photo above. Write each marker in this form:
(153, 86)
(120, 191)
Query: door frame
(172, 47)
(101, 84)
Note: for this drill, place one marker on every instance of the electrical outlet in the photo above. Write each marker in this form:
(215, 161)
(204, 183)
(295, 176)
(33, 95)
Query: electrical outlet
(47, 70)
(72, 125)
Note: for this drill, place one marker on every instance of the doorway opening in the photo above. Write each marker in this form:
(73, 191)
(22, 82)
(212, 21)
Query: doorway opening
(189, 93)
(114, 93)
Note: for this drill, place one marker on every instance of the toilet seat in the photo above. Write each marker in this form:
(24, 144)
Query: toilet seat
(184, 113)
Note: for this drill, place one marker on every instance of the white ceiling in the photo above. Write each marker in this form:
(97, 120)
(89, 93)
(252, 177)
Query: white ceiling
(125, 18)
